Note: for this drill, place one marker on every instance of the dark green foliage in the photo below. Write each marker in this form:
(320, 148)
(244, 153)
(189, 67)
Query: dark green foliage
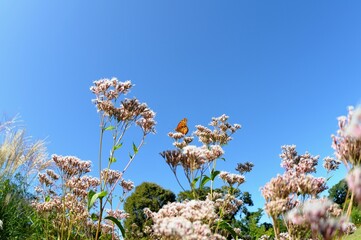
(250, 226)
(247, 200)
(356, 216)
(338, 192)
(256, 229)
(16, 212)
(146, 195)
(200, 194)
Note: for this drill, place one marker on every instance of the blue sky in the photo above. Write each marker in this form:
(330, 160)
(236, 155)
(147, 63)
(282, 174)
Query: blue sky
(284, 70)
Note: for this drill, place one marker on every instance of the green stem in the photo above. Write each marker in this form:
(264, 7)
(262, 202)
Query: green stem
(133, 156)
(97, 235)
(213, 168)
(176, 177)
(116, 182)
(349, 209)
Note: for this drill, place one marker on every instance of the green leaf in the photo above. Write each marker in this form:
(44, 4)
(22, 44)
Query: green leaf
(329, 178)
(116, 221)
(223, 159)
(112, 159)
(47, 198)
(194, 182)
(109, 128)
(205, 180)
(117, 146)
(94, 217)
(95, 196)
(189, 195)
(214, 174)
(135, 149)
(90, 195)
(226, 226)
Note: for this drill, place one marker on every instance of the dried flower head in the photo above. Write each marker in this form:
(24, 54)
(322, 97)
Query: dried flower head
(52, 174)
(299, 163)
(281, 192)
(320, 215)
(347, 147)
(244, 167)
(118, 214)
(354, 125)
(173, 158)
(107, 92)
(221, 133)
(231, 178)
(226, 203)
(111, 176)
(44, 179)
(110, 88)
(331, 164)
(71, 166)
(186, 220)
(127, 185)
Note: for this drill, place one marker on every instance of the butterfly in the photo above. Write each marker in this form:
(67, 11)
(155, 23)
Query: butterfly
(182, 126)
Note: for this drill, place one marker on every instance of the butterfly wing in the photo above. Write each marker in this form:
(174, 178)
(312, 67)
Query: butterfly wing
(182, 126)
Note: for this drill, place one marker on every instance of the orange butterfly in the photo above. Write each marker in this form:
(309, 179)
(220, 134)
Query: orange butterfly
(182, 126)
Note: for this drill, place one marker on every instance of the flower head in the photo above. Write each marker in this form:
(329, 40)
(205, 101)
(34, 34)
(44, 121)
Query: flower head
(320, 215)
(220, 135)
(353, 179)
(354, 126)
(231, 178)
(186, 220)
(346, 144)
(331, 164)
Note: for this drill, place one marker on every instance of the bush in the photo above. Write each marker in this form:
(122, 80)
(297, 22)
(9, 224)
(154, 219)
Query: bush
(16, 212)
(356, 216)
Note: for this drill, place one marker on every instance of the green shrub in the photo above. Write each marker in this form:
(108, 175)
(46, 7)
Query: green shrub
(356, 216)
(16, 212)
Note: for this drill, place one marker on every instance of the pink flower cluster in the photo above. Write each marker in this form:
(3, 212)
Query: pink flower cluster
(50, 206)
(67, 202)
(70, 165)
(281, 192)
(354, 126)
(346, 144)
(193, 159)
(278, 206)
(174, 158)
(232, 178)
(118, 214)
(322, 215)
(331, 164)
(198, 156)
(226, 204)
(127, 185)
(80, 185)
(353, 179)
(110, 176)
(107, 92)
(110, 88)
(186, 220)
(299, 164)
(220, 135)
